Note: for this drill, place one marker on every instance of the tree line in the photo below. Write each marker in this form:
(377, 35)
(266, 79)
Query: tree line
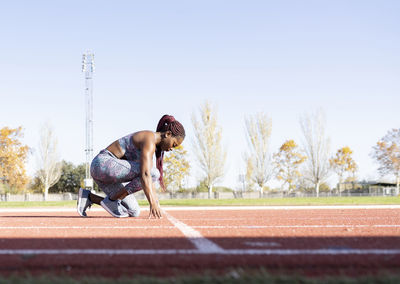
(302, 165)
(296, 166)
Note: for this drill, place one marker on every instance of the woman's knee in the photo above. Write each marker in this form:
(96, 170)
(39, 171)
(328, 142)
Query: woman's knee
(132, 206)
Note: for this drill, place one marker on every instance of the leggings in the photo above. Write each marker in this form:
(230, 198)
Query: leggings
(112, 174)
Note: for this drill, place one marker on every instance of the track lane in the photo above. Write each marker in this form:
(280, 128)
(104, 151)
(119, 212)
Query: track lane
(245, 240)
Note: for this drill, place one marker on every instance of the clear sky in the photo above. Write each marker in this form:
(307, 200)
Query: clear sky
(284, 58)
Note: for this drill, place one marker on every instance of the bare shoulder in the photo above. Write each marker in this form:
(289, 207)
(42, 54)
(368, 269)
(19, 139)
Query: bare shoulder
(143, 138)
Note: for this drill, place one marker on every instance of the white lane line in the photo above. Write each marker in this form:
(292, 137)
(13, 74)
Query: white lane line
(262, 244)
(200, 252)
(272, 207)
(294, 226)
(197, 227)
(86, 227)
(202, 244)
(217, 208)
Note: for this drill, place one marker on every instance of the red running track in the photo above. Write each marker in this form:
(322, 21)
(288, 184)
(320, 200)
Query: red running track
(310, 241)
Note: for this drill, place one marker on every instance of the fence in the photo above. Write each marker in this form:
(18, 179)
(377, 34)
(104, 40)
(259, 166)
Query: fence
(185, 195)
(37, 197)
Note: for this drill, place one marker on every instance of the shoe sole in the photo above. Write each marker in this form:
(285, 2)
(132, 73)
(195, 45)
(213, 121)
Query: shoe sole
(109, 211)
(79, 203)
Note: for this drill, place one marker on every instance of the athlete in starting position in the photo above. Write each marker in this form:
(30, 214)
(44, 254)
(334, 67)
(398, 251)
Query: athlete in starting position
(130, 160)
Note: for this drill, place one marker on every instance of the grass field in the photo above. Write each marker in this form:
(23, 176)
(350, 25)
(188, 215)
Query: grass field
(367, 200)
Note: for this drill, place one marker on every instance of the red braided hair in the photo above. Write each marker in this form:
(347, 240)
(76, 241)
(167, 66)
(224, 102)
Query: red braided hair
(167, 123)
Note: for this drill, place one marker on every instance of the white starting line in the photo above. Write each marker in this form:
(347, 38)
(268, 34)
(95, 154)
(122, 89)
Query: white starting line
(200, 252)
(208, 208)
(201, 243)
(194, 227)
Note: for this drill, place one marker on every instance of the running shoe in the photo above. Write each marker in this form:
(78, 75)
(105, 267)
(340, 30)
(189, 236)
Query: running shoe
(115, 207)
(83, 202)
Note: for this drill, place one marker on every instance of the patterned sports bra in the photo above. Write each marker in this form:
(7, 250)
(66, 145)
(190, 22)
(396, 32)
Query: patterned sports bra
(131, 152)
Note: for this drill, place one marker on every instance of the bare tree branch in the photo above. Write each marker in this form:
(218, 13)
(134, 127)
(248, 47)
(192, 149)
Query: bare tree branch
(210, 154)
(49, 166)
(316, 148)
(258, 160)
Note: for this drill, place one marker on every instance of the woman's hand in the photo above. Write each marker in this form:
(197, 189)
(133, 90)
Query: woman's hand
(155, 211)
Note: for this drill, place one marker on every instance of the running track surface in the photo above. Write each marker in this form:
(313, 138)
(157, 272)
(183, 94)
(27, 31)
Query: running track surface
(309, 240)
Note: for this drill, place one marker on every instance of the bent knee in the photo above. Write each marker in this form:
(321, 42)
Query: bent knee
(134, 212)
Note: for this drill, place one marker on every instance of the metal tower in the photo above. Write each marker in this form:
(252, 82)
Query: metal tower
(88, 69)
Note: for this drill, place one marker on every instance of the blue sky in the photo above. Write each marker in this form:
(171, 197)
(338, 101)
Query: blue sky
(284, 58)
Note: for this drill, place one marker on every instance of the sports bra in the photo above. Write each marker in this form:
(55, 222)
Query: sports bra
(131, 152)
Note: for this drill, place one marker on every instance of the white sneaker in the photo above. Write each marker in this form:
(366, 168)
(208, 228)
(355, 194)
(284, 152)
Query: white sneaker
(114, 208)
(83, 202)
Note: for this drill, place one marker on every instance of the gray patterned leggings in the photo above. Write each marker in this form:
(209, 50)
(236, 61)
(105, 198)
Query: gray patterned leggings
(112, 174)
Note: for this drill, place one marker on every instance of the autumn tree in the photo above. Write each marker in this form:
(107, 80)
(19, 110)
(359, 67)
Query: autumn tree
(71, 178)
(387, 153)
(316, 148)
(176, 168)
(258, 159)
(48, 161)
(207, 147)
(13, 156)
(343, 163)
(287, 162)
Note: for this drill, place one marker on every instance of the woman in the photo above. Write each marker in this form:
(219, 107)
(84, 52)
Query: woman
(130, 160)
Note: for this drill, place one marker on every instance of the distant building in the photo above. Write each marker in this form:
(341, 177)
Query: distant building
(368, 187)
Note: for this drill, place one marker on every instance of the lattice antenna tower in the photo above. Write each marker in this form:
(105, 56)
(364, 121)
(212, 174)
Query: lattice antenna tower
(88, 70)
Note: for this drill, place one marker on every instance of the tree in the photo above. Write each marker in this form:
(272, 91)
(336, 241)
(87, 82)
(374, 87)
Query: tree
(208, 149)
(70, 179)
(13, 155)
(48, 162)
(343, 162)
(258, 130)
(316, 148)
(176, 168)
(250, 184)
(287, 162)
(387, 153)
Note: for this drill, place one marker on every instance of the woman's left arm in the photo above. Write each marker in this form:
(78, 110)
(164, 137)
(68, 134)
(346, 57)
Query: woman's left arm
(146, 163)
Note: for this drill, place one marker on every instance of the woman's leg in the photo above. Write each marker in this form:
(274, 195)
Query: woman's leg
(110, 172)
(136, 185)
(96, 199)
(131, 204)
(108, 189)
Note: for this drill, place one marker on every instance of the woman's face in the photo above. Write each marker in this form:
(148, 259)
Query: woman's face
(168, 141)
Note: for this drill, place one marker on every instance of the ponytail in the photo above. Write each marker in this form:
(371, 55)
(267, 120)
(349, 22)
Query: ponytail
(167, 123)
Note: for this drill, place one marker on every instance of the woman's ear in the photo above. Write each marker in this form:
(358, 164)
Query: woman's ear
(168, 133)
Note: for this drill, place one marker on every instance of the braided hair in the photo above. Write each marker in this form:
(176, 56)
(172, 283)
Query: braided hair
(167, 123)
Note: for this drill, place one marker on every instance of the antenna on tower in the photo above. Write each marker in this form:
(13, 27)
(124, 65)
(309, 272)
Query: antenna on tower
(88, 69)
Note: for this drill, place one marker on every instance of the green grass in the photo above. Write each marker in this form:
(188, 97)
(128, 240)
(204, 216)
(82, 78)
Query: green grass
(298, 201)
